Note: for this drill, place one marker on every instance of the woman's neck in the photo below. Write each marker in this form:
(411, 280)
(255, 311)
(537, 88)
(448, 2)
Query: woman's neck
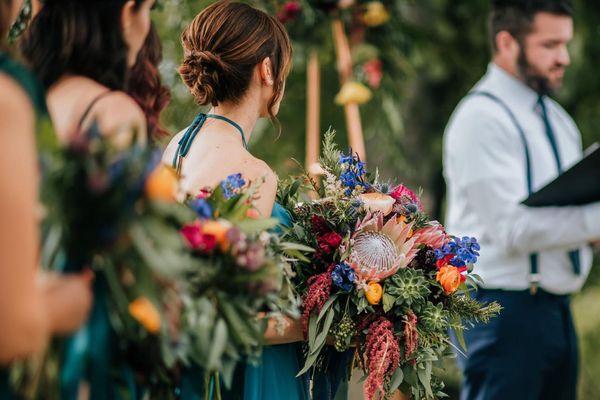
(245, 114)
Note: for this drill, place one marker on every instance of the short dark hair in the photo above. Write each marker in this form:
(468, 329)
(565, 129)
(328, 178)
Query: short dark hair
(516, 16)
(78, 37)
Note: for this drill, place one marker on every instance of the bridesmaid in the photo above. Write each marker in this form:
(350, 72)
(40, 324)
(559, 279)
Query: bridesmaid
(236, 60)
(83, 51)
(33, 305)
(84, 60)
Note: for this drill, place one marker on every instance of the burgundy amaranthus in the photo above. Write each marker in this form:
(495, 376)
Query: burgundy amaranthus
(411, 335)
(382, 353)
(319, 289)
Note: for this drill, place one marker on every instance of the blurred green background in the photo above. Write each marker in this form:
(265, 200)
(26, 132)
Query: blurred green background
(438, 49)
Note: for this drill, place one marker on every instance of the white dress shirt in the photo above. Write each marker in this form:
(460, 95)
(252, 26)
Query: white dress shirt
(484, 167)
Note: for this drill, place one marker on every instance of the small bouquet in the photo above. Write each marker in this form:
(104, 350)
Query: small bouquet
(239, 276)
(384, 278)
(111, 207)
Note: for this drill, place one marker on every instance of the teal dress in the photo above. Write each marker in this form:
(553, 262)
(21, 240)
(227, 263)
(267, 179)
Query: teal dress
(30, 85)
(274, 376)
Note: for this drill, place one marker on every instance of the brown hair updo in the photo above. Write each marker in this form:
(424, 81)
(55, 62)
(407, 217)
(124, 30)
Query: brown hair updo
(222, 46)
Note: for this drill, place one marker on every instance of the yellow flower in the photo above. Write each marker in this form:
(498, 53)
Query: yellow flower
(376, 14)
(219, 231)
(450, 278)
(162, 184)
(353, 93)
(374, 292)
(378, 202)
(143, 311)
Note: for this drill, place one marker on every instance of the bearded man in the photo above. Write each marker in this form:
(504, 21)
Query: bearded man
(506, 139)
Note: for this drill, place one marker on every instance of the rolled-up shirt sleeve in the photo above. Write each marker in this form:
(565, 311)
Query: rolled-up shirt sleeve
(487, 162)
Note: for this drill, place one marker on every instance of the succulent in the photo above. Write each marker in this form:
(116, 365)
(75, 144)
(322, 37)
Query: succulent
(408, 286)
(434, 318)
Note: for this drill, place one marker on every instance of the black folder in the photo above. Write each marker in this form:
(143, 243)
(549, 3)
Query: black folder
(579, 185)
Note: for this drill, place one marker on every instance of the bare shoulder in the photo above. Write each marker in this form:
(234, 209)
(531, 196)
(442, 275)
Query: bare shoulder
(117, 110)
(15, 107)
(13, 99)
(169, 153)
(260, 170)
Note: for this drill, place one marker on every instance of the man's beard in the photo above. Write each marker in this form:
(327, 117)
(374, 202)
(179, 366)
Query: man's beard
(531, 77)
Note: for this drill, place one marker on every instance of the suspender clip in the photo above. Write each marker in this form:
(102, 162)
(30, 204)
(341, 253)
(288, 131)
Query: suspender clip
(534, 283)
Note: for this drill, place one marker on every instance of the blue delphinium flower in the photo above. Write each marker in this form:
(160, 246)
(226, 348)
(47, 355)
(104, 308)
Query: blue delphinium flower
(463, 250)
(346, 159)
(202, 208)
(232, 184)
(343, 277)
(354, 172)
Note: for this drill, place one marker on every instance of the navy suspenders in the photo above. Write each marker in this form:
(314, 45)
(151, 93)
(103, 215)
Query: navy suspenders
(534, 275)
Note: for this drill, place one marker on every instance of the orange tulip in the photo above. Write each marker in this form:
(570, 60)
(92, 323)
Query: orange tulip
(450, 278)
(162, 184)
(143, 311)
(374, 293)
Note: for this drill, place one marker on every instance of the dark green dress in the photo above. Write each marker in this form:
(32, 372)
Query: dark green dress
(27, 81)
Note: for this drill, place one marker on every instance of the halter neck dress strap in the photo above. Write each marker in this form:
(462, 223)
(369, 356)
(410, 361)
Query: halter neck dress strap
(185, 143)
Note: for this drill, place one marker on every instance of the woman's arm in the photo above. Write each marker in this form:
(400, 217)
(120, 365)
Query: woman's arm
(32, 306)
(25, 325)
(292, 331)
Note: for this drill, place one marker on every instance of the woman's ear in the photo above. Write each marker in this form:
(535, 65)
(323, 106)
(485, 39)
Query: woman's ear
(266, 72)
(127, 18)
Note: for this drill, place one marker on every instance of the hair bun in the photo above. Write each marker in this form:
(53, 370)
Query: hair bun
(208, 60)
(201, 71)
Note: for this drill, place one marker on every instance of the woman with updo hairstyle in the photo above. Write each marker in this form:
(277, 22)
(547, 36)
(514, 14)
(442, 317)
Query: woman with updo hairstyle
(236, 60)
(33, 305)
(83, 52)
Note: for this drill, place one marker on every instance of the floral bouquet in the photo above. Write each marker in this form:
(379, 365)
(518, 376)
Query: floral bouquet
(384, 278)
(110, 207)
(239, 276)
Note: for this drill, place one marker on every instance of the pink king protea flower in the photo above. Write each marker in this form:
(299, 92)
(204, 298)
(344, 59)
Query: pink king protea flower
(433, 235)
(378, 249)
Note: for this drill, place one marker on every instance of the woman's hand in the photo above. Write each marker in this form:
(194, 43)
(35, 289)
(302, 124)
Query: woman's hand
(290, 332)
(68, 299)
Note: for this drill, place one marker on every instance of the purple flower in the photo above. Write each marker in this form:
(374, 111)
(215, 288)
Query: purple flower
(253, 258)
(463, 251)
(343, 277)
(354, 172)
(202, 208)
(232, 184)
